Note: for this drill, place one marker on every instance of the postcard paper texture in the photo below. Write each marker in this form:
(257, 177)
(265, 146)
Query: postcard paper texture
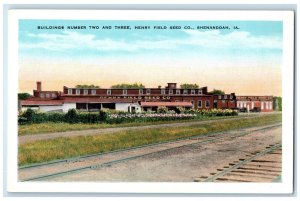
(150, 101)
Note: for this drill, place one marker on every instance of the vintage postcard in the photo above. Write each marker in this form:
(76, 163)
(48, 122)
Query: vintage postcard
(150, 101)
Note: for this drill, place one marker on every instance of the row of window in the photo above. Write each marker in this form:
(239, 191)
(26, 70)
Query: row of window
(207, 104)
(47, 95)
(225, 96)
(141, 91)
(85, 91)
(266, 105)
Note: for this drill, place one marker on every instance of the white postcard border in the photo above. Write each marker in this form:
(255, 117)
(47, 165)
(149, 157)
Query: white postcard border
(143, 187)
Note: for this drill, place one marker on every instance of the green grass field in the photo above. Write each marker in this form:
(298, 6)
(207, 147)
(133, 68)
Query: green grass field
(52, 127)
(59, 148)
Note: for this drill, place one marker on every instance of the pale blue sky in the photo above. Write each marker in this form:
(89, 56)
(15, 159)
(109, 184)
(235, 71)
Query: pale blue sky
(255, 39)
(256, 45)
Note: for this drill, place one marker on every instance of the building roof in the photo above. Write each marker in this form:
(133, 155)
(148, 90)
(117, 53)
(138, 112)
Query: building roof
(96, 100)
(167, 104)
(254, 98)
(41, 102)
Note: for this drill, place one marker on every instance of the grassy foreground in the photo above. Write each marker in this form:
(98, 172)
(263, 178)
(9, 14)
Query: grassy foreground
(59, 148)
(51, 127)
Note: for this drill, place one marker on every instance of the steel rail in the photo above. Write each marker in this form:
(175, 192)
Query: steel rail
(244, 162)
(106, 164)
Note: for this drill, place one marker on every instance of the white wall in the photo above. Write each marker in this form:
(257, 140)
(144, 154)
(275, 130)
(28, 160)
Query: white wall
(67, 106)
(24, 108)
(49, 108)
(124, 107)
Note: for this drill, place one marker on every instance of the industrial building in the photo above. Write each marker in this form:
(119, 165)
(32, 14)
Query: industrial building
(255, 103)
(131, 100)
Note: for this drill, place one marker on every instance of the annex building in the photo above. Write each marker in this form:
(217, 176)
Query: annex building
(131, 100)
(255, 103)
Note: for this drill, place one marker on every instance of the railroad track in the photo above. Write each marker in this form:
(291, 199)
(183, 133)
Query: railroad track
(263, 166)
(58, 168)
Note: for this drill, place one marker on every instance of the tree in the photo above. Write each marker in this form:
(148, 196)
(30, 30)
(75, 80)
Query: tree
(23, 96)
(85, 86)
(128, 86)
(217, 91)
(277, 103)
(189, 86)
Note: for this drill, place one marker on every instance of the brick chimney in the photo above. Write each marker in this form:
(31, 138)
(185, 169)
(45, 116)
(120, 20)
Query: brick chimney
(39, 86)
(171, 85)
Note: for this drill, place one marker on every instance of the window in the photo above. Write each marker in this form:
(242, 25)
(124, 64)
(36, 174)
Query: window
(262, 105)
(207, 103)
(200, 104)
(193, 91)
(178, 91)
(70, 91)
(77, 91)
(185, 91)
(267, 105)
(193, 105)
(220, 96)
(93, 92)
(140, 91)
(200, 91)
(47, 95)
(163, 91)
(148, 91)
(124, 91)
(225, 96)
(252, 105)
(231, 96)
(170, 91)
(108, 92)
(42, 95)
(85, 92)
(53, 95)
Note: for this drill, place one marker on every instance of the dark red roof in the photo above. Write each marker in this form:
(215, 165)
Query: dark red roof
(167, 104)
(254, 98)
(41, 102)
(96, 100)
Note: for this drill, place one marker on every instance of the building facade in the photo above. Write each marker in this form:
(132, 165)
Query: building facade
(131, 100)
(255, 103)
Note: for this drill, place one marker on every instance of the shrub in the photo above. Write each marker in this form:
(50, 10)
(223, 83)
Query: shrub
(103, 115)
(22, 120)
(213, 112)
(110, 116)
(29, 115)
(88, 117)
(122, 118)
(181, 109)
(56, 117)
(71, 116)
(162, 109)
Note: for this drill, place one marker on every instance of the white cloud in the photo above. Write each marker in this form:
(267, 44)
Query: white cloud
(237, 39)
(207, 39)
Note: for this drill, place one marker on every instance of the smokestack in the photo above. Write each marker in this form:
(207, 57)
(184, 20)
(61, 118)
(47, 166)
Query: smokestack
(39, 86)
(172, 85)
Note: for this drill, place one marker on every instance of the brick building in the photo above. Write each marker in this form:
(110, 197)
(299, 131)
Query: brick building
(132, 100)
(255, 103)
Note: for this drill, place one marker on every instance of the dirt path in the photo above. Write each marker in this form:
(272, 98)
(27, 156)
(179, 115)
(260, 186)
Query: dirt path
(47, 136)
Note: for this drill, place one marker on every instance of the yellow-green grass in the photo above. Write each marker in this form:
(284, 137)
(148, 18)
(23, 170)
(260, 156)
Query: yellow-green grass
(51, 127)
(60, 148)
